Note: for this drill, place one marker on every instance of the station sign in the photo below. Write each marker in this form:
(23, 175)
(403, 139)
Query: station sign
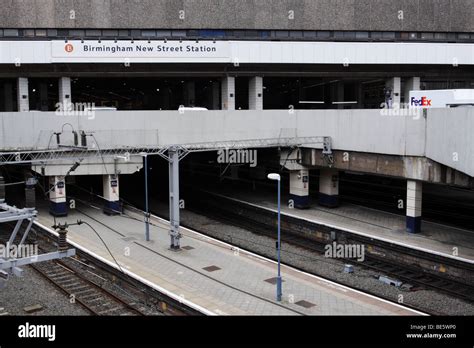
(127, 49)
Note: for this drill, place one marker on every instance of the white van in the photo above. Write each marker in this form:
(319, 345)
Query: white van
(441, 98)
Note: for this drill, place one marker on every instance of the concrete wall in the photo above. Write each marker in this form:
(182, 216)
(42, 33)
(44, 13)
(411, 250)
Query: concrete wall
(445, 136)
(383, 15)
(450, 138)
(357, 130)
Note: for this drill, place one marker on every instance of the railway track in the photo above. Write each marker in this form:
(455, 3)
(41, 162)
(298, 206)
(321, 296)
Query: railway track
(412, 275)
(91, 296)
(192, 269)
(130, 296)
(99, 288)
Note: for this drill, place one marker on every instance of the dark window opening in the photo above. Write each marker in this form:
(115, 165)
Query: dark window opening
(43, 94)
(242, 93)
(8, 95)
(147, 93)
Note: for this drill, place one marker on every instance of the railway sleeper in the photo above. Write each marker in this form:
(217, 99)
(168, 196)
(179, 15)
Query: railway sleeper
(79, 288)
(86, 292)
(94, 297)
(110, 310)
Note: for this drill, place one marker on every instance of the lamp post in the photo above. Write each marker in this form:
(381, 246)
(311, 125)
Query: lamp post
(147, 214)
(274, 176)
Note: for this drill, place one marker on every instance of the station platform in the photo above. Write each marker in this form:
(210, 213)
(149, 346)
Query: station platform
(434, 238)
(209, 275)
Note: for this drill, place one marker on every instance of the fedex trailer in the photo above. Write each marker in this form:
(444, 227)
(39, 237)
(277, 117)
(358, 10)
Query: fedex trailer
(442, 98)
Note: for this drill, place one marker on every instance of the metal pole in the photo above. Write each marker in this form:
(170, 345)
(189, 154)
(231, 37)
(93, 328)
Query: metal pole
(279, 248)
(174, 198)
(147, 214)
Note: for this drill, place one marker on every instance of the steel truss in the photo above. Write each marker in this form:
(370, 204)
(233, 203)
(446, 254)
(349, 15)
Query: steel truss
(11, 265)
(171, 153)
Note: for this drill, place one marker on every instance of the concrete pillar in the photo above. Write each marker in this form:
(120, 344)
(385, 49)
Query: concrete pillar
(328, 187)
(65, 97)
(189, 94)
(337, 94)
(256, 93)
(215, 95)
(57, 196)
(394, 86)
(8, 96)
(414, 192)
(299, 188)
(411, 84)
(111, 194)
(22, 94)
(228, 93)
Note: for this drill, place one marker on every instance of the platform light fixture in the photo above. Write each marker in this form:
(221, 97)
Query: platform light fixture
(277, 177)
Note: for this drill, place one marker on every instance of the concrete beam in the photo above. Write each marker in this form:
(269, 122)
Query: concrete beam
(408, 167)
(91, 167)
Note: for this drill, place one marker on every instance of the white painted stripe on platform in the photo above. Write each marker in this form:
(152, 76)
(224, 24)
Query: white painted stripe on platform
(133, 275)
(429, 251)
(294, 269)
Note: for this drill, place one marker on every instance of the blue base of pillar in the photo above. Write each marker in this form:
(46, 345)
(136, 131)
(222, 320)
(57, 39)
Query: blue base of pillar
(328, 201)
(58, 209)
(413, 224)
(112, 208)
(300, 202)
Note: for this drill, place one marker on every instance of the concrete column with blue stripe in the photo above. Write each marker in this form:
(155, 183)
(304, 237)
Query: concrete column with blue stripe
(299, 188)
(299, 178)
(111, 194)
(414, 201)
(328, 187)
(57, 196)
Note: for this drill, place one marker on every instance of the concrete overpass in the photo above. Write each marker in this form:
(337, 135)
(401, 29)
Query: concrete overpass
(434, 145)
(440, 135)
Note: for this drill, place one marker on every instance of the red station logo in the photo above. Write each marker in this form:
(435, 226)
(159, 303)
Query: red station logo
(69, 48)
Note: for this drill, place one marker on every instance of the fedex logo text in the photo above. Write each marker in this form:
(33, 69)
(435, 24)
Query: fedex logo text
(420, 102)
